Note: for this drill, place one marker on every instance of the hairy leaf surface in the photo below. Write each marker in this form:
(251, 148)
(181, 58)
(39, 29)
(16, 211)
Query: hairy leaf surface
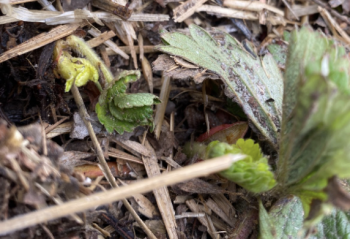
(120, 111)
(283, 221)
(255, 84)
(334, 226)
(315, 131)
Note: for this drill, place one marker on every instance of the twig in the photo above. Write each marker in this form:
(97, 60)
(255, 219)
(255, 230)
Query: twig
(333, 12)
(79, 205)
(104, 166)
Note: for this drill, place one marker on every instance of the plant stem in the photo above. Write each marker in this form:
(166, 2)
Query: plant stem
(104, 166)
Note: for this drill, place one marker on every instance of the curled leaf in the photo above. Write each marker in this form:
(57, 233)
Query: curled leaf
(253, 173)
(120, 111)
(72, 69)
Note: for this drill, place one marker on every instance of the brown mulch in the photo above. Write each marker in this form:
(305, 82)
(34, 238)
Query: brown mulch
(47, 156)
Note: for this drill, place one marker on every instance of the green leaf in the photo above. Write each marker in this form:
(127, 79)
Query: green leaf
(255, 84)
(314, 136)
(134, 100)
(110, 122)
(333, 226)
(279, 53)
(138, 114)
(253, 173)
(284, 220)
(121, 112)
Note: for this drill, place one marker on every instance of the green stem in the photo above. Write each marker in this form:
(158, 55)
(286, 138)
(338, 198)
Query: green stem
(98, 85)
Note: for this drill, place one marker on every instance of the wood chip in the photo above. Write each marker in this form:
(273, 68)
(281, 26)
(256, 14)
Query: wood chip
(64, 128)
(251, 6)
(226, 12)
(333, 24)
(39, 41)
(94, 42)
(187, 9)
(127, 50)
(110, 44)
(145, 206)
(113, 152)
(206, 221)
(214, 207)
(133, 147)
(110, 6)
(301, 10)
(104, 56)
(51, 127)
(161, 194)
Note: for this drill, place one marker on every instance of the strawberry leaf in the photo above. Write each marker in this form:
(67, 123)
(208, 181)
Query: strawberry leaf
(120, 111)
(253, 173)
(315, 130)
(284, 220)
(255, 84)
(333, 226)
